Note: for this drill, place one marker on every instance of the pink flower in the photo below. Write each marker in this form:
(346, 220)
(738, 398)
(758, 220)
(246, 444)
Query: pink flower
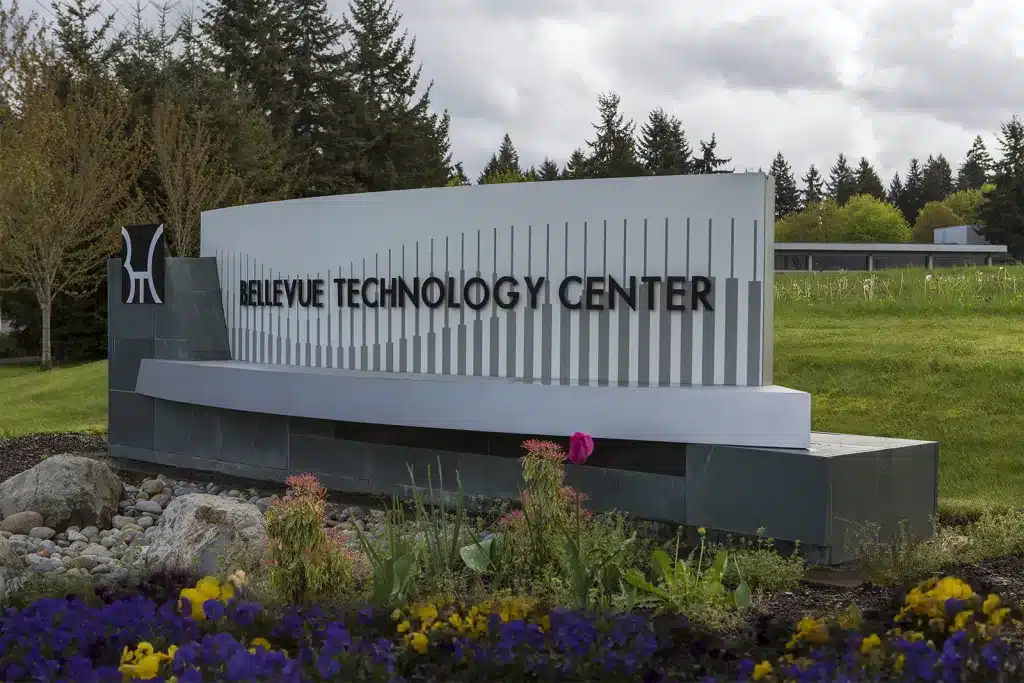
(580, 447)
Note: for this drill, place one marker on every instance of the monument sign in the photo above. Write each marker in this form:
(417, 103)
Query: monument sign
(352, 335)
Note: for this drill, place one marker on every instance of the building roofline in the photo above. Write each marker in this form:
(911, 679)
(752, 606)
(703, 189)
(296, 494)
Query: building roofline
(902, 247)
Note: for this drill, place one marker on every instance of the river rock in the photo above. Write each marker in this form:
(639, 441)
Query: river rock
(65, 490)
(149, 506)
(21, 522)
(197, 529)
(42, 532)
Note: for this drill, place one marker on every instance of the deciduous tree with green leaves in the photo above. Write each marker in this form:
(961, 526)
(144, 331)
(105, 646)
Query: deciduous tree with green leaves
(931, 216)
(67, 170)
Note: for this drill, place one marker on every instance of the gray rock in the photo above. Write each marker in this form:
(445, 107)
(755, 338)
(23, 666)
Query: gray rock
(96, 550)
(162, 498)
(21, 522)
(197, 529)
(141, 495)
(42, 532)
(65, 490)
(120, 521)
(76, 537)
(48, 546)
(263, 503)
(72, 528)
(33, 559)
(356, 512)
(105, 533)
(78, 546)
(149, 506)
(100, 569)
(9, 559)
(124, 505)
(5, 534)
(128, 488)
(108, 542)
(234, 493)
(213, 490)
(86, 562)
(145, 522)
(90, 532)
(61, 537)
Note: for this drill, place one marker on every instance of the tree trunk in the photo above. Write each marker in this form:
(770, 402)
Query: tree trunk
(45, 351)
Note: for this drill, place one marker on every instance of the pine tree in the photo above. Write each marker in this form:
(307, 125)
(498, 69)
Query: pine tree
(663, 147)
(613, 150)
(406, 145)
(974, 171)
(578, 166)
(458, 176)
(814, 189)
(787, 196)
(842, 182)
(894, 195)
(548, 170)
(1002, 214)
(709, 161)
(86, 51)
(912, 198)
(868, 181)
(504, 162)
(937, 181)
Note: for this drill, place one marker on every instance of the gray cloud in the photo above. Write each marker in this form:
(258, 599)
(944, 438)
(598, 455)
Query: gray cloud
(762, 53)
(924, 61)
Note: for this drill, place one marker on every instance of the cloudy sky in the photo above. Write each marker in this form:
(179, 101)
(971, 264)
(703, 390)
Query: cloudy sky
(885, 79)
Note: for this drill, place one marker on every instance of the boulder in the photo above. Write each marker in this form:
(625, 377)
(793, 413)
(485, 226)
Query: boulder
(65, 490)
(197, 529)
(10, 561)
(22, 522)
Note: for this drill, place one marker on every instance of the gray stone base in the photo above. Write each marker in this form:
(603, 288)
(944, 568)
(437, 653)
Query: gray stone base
(819, 497)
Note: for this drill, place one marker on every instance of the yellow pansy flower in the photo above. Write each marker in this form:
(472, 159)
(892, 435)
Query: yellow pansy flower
(870, 643)
(418, 642)
(762, 670)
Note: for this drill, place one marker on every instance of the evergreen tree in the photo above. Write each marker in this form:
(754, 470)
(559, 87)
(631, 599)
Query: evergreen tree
(895, 193)
(578, 166)
(842, 182)
(709, 161)
(937, 180)
(86, 39)
(868, 181)
(405, 144)
(613, 150)
(814, 188)
(974, 171)
(912, 198)
(548, 170)
(505, 162)
(245, 40)
(458, 176)
(663, 147)
(787, 196)
(1002, 214)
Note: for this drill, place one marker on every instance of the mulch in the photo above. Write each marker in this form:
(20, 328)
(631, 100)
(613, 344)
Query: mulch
(19, 453)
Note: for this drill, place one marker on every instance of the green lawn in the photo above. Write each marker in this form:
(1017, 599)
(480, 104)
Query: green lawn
(899, 354)
(62, 400)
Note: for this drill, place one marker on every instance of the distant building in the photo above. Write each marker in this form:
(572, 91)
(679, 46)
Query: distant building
(959, 234)
(816, 256)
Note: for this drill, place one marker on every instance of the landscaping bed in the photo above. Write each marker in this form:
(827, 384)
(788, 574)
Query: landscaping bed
(194, 581)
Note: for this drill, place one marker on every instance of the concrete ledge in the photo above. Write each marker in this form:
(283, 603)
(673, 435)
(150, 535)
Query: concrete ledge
(768, 416)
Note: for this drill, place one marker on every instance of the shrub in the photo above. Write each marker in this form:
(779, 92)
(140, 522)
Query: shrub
(866, 219)
(305, 563)
(934, 215)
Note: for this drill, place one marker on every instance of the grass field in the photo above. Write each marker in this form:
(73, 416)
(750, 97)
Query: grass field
(895, 354)
(62, 400)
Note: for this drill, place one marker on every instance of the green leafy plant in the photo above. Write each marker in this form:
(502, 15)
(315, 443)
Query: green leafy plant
(688, 586)
(441, 535)
(304, 563)
(595, 576)
(396, 566)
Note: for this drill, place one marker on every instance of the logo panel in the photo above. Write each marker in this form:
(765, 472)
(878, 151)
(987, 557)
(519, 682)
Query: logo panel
(143, 251)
